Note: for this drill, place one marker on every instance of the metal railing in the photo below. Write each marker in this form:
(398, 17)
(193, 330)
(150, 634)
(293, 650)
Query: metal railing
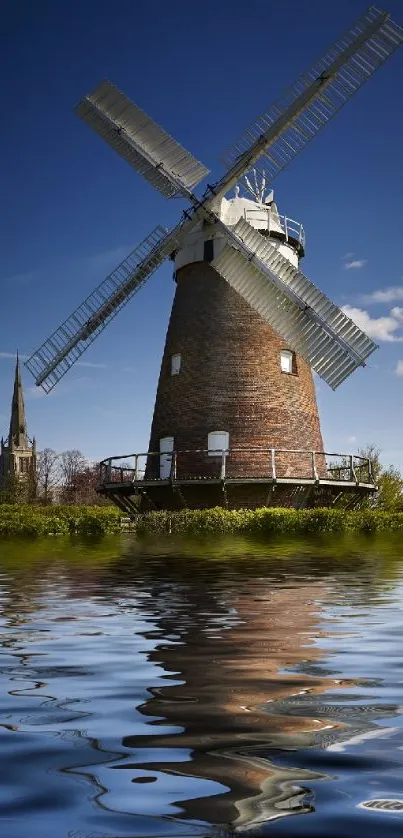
(237, 463)
(291, 228)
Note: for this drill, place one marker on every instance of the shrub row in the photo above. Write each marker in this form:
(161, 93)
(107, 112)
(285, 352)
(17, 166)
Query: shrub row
(27, 520)
(274, 521)
(55, 520)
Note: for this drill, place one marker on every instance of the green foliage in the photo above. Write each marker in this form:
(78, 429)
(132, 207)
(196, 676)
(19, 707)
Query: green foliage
(389, 497)
(20, 520)
(267, 522)
(390, 490)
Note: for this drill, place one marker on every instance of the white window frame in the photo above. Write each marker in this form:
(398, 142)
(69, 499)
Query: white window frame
(216, 445)
(166, 449)
(287, 361)
(176, 362)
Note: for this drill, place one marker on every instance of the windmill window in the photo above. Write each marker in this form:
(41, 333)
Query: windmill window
(217, 442)
(287, 361)
(176, 361)
(208, 254)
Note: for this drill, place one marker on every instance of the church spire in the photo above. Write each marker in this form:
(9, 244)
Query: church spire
(18, 436)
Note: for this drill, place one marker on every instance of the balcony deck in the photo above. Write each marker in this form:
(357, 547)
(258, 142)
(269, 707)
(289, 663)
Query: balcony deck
(279, 477)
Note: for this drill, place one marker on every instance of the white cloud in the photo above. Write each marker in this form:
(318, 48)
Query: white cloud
(12, 355)
(393, 294)
(379, 328)
(61, 389)
(106, 260)
(20, 279)
(399, 368)
(355, 263)
(109, 258)
(351, 438)
(91, 365)
(34, 392)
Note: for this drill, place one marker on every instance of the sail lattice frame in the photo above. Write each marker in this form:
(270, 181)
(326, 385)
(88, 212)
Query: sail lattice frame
(68, 342)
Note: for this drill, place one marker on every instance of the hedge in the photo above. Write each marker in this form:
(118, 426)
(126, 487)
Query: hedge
(268, 522)
(27, 520)
(54, 520)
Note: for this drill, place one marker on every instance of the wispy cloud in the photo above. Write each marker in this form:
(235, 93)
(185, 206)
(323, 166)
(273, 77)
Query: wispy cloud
(393, 294)
(34, 392)
(379, 328)
(20, 278)
(399, 368)
(355, 264)
(63, 388)
(12, 355)
(106, 260)
(109, 258)
(91, 365)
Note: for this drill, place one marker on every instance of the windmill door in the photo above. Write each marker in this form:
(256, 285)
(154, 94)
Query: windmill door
(166, 448)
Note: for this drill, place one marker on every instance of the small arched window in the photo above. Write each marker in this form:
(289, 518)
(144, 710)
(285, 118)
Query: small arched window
(217, 442)
(287, 361)
(176, 361)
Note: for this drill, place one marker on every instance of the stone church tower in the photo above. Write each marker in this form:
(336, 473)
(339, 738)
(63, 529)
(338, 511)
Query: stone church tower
(18, 451)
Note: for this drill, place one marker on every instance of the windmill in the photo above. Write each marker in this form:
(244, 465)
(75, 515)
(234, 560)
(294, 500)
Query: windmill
(247, 326)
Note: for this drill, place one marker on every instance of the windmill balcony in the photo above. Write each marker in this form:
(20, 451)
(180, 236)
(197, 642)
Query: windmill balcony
(287, 228)
(235, 478)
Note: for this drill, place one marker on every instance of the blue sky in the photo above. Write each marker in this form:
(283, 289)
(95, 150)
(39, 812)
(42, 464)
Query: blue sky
(72, 208)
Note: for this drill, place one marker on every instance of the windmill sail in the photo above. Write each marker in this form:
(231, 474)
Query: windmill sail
(139, 140)
(55, 357)
(314, 326)
(292, 121)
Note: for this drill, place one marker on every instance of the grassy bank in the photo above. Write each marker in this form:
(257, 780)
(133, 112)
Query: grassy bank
(63, 520)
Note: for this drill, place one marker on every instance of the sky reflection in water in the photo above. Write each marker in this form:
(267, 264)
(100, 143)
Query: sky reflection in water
(201, 691)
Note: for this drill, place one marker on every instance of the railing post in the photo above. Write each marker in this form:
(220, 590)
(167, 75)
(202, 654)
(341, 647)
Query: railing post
(314, 469)
(370, 472)
(136, 466)
(223, 464)
(173, 466)
(109, 470)
(353, 476)
(285, 228)
(273, 463)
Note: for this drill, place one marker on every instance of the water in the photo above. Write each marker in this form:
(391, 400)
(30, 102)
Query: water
(200, 690)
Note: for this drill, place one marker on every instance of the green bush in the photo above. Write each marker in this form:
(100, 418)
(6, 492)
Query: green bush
(262, 523)
(58, 520)
(267, 522)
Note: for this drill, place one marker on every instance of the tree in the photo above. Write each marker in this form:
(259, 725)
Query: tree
(79, 480)
(46, 474)
(14, 490)
(390, 490)
(389, 495)
(86, 483)
(72, 464)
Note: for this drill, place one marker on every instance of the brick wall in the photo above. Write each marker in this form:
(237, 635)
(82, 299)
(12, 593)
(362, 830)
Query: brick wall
(230, 380)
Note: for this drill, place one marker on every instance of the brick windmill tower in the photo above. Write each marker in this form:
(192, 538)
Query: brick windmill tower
(235, 414)
(228, 380)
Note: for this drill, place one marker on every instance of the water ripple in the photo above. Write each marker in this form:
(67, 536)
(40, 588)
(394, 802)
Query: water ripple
(148, 694)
